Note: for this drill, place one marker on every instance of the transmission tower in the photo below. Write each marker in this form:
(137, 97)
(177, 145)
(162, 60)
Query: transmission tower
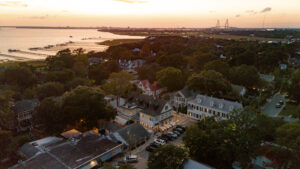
(226, 24)
(218, 24)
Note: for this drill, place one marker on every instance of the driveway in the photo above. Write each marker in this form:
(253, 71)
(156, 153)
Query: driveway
(270, 107)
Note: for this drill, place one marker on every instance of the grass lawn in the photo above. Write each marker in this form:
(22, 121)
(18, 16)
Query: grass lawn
(116, 42)
(289, 109)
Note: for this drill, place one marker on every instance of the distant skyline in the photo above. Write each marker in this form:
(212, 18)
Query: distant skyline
(150, 13)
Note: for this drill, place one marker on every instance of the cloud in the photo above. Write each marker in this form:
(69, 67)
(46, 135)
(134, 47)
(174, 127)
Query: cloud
(131, 1)
(267, 9)
(238, 15)
(251, 12)
(13, 4)
(65, 11)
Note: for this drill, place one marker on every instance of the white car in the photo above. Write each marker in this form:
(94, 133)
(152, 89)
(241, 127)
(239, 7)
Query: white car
(159, 141)
(172, 133)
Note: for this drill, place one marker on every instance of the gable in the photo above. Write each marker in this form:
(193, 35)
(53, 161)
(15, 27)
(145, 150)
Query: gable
(167, 107)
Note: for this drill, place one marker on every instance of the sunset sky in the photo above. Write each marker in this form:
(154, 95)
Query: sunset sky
(150, 13)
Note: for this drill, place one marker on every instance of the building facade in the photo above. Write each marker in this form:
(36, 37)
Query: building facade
(204, 106)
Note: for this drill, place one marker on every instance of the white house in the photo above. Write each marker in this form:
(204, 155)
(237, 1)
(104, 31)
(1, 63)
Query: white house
(149, 89)
(181, 97)
(131, 64)
(155, 113)
(204, 106)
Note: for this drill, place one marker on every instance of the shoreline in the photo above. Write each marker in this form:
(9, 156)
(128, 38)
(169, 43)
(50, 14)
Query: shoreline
(41, 53)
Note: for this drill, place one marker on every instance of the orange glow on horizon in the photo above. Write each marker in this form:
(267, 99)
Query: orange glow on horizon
(150, 13)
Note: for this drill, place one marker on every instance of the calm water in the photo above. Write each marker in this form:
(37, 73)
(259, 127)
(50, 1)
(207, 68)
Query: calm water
(23, 39)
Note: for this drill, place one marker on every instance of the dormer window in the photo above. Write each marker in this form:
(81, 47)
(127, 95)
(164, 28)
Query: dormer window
(211, 104)
(167, 107)
(230, 108)
(199, 100)
(221, 105)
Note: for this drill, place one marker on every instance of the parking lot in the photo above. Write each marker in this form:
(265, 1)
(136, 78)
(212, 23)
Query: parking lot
(143, 154)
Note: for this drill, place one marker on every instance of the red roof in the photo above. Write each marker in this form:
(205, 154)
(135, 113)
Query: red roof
(154, 86)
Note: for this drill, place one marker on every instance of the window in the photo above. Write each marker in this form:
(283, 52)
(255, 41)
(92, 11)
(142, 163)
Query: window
(162, 116)
(167, 107)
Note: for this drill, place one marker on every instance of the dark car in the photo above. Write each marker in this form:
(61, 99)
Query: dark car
(129, 159)
(179, 130)
(155, 145)
(278, 105)
(181, 127)
(166, 139)
(150, 148)
(281, 102)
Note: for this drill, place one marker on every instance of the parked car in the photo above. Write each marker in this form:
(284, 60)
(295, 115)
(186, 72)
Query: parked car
(163, 137)
(181, 127)
(179, 130)
(129, 159)
(278, 105)
(150, 148)
(155, 145)
(173, 135)
(176, 132)
(281, 102)
(159, 141)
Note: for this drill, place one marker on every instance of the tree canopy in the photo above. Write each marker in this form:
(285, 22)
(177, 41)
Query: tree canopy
(168, 157)
(209, 82)
(294, 88)
(85, 105)
(171, 78)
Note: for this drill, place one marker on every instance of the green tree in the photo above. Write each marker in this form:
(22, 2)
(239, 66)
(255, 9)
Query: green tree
(19, 76)
(220, 143)
(100, 72)
(209, 82)
(61, 76)
(50, 116)
(168, 157)
(218, 66)
(118, 84)
(145, 51)
(149, 72)
(171, 78)
(85, 105)
(5, 137)
(288, 137)
(294, 88)
(174, 60)
(245, 75)
(49, 89)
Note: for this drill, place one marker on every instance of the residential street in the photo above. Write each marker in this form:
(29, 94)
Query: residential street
(270, 107)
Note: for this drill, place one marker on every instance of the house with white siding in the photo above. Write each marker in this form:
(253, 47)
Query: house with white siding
(205, 106)
(155, 113)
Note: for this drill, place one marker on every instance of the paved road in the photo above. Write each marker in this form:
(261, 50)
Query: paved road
(270, 107)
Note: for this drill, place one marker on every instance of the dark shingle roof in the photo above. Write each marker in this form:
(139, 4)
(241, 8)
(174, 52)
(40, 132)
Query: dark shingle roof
(186, 92)
(111, 127)
(133, 134)
(148, 104)
(25, 105)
